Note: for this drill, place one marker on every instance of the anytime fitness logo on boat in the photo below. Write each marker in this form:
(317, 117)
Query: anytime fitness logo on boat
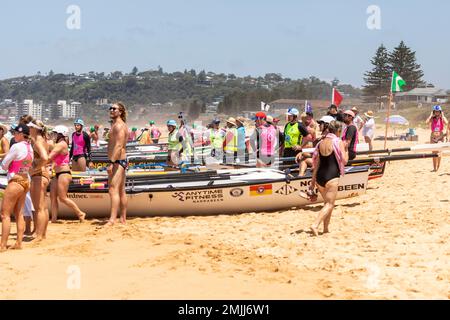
(199, 196)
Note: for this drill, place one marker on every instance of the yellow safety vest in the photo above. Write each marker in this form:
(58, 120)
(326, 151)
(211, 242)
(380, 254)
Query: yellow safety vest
(174, 142)
(231, 145)
(216, 139)
(292, 134)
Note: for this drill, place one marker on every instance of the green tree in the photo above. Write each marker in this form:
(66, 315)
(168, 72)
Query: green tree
(378, 79)
(403, 61)
(134, 71)
(201, 76)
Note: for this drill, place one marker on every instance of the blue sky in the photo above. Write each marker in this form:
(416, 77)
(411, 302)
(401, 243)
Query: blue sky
(296, 38)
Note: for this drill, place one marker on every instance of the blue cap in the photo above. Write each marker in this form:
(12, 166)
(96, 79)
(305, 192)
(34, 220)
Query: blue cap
(216, 121)
(437, 108)
(79, 121)
(172, 123)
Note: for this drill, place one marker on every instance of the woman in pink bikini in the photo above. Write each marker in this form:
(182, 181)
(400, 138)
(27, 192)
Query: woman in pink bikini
(60, 183)
(438, 124)
(17, 162)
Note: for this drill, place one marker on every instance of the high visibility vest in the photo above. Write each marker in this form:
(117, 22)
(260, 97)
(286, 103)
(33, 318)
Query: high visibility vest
(231, 145)
(216, 139)
(174, 142)
(292, 134)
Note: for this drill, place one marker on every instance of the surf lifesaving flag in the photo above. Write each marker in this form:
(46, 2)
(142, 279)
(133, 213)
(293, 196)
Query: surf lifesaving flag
(397, 83)
(336, 98)
(261, 190)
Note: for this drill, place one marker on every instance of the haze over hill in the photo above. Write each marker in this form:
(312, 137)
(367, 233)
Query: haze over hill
(298, 38)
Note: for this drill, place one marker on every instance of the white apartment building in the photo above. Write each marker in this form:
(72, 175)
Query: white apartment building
(69, 111)
(29, 107)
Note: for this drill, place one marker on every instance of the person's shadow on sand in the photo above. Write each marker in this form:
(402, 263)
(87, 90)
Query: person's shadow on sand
(309, 232)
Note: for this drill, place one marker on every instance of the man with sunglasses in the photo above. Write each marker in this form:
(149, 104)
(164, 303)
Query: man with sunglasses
(117, 162)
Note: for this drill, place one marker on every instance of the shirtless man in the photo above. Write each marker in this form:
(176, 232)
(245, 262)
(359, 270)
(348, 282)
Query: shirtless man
(117, 156)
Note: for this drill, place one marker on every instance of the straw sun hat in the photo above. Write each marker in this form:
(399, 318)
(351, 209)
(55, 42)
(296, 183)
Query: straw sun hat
(232, 121)
(241, 120)
(369, 114)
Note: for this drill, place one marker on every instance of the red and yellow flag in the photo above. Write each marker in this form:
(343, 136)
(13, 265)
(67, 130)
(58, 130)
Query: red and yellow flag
(261, 190)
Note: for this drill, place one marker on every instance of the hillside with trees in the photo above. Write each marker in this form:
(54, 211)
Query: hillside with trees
(188, 88)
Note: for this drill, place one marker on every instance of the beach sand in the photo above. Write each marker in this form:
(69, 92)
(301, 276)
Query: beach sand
(391, 243)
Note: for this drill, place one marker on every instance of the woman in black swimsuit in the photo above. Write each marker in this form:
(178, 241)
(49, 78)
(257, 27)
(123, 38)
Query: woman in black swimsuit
(326, 175)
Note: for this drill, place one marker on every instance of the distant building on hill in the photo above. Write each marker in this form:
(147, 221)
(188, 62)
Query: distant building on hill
(51, 112)
(282, 105)
(69, 111)
(423, 95)
(29, 107)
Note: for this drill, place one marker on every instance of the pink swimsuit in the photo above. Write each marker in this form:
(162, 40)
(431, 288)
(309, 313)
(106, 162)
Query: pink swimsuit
(61, 160)
(437, 125)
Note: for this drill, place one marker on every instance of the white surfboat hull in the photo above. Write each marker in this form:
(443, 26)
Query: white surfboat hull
(264, 192)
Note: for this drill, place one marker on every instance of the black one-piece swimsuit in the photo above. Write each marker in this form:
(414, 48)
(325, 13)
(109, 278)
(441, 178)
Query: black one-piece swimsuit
(328, 169)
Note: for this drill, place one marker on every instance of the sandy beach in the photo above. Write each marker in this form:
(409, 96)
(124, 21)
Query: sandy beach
(391, 243)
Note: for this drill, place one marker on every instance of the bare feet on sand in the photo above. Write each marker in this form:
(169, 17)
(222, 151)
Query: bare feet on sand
(82, 217)
(108, 224)
(314, 231)
(39, 239)
(16, 246)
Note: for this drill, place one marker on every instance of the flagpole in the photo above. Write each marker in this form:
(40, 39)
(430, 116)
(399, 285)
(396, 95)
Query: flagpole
(332, 96)
(388, 112)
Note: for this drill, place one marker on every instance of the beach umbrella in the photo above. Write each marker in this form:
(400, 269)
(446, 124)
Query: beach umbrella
(396, 119)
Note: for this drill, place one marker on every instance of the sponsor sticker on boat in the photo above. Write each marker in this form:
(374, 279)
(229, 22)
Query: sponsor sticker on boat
(77, 196)
(286, 190)
(201, 196)
(261, 190)
(236, 192)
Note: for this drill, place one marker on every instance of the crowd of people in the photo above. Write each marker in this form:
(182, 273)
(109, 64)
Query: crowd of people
(36, 156)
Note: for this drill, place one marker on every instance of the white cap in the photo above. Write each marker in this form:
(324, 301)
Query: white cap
(61, 130)
(292, 112)
(326, 119)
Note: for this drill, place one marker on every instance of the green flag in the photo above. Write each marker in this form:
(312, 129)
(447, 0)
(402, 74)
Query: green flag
(397, 83)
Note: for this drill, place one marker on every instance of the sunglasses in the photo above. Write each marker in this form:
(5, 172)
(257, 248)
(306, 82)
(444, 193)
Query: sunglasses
(113, 109)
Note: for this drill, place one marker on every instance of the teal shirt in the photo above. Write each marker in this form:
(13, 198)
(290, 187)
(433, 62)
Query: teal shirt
(241, 138)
